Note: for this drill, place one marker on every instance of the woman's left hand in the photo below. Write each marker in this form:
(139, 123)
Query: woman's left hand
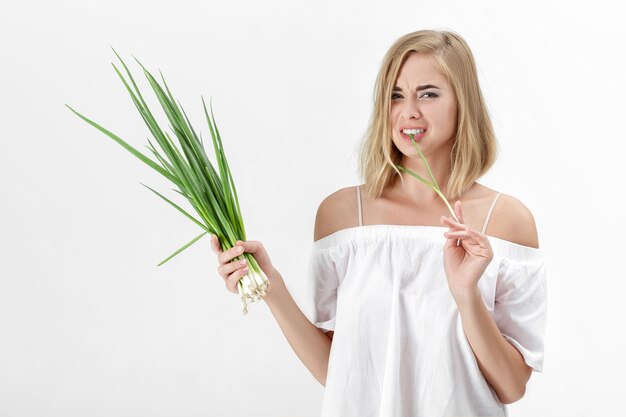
(464, 264)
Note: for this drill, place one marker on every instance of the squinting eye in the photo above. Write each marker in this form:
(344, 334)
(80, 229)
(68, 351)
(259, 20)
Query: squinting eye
(432, 94)
(395, 96)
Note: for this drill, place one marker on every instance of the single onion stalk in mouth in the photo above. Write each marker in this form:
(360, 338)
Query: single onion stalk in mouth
(433, 185)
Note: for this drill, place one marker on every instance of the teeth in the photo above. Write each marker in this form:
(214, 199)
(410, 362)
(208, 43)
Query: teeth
(412, 131)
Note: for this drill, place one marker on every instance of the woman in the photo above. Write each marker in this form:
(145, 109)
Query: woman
(432, 317)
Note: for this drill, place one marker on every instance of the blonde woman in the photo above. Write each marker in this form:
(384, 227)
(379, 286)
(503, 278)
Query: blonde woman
(417, 314)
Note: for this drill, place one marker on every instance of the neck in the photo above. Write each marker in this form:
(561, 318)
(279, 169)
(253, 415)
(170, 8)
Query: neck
(415, 190)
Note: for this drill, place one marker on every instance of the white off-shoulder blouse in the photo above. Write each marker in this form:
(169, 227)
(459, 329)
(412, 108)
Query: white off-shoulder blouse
(399, 349)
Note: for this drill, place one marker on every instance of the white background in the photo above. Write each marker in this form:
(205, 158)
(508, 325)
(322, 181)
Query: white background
(89, 325)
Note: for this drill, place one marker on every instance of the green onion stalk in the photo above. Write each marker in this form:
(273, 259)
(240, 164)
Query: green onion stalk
(433, 185)
(213, 196)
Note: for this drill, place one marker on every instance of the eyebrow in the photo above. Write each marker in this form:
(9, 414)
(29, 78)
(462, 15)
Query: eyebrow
(419, 87)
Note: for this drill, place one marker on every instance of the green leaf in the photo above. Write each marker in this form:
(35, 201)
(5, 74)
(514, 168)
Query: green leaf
(177, 207)
(401, 168)
(423, 158)
(183, 248)
(129, 148)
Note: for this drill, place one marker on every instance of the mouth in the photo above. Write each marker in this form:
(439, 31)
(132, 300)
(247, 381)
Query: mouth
(417, 134)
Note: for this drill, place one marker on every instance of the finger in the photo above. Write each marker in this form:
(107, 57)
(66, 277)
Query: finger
(476, 234)
(230, 267)
(473, 233)
(229, 254)
(215, 244)
(450, 222)
(233, 279)
(470, 236)
(458, 235)
(250, 246)
(459, 211)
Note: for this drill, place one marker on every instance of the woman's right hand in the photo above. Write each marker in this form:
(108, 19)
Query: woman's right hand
(232, 272)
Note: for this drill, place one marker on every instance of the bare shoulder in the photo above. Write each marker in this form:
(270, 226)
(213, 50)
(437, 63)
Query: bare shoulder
(511, 220)
(336, 212)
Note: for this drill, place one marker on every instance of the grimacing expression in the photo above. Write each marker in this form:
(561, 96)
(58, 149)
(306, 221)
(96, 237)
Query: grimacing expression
(423, 99)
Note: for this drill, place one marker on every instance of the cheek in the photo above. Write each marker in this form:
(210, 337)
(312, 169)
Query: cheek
(393, 114)
(447, 114)
(452, 109)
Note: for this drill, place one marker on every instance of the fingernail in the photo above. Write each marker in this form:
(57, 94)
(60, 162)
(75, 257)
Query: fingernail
(239, 249)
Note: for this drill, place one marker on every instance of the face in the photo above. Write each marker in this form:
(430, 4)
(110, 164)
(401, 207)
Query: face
(423, 99)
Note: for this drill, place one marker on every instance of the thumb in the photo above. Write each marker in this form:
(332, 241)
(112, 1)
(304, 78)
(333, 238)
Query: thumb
(256, 248)
(250, 246)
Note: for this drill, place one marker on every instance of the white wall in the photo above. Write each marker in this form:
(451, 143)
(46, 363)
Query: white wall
(90, 326)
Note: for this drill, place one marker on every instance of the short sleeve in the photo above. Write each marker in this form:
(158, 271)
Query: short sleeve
(323, 281)
(521, 305)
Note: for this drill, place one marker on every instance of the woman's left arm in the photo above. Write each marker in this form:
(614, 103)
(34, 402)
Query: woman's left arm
(501, 364)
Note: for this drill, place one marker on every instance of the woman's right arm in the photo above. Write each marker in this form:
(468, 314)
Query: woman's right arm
(309, 343)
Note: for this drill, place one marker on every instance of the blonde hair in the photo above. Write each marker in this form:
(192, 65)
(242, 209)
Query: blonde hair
(475, 147)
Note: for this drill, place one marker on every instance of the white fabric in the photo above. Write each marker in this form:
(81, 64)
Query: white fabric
(399, 349)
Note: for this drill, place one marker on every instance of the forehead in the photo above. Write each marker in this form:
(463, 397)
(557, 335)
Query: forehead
(419, 69)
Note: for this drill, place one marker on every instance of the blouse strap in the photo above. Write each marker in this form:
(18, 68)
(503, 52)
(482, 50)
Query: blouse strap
(489, 213)
(358, 196)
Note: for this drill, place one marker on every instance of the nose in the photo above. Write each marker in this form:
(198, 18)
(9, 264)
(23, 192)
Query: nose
(411, 109)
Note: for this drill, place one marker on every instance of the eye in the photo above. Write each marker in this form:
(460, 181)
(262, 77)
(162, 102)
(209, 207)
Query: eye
(396, 96)
(430, 94)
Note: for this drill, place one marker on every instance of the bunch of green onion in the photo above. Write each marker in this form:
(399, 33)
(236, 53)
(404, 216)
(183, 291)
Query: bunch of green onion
(433, 185)
(212, 196)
